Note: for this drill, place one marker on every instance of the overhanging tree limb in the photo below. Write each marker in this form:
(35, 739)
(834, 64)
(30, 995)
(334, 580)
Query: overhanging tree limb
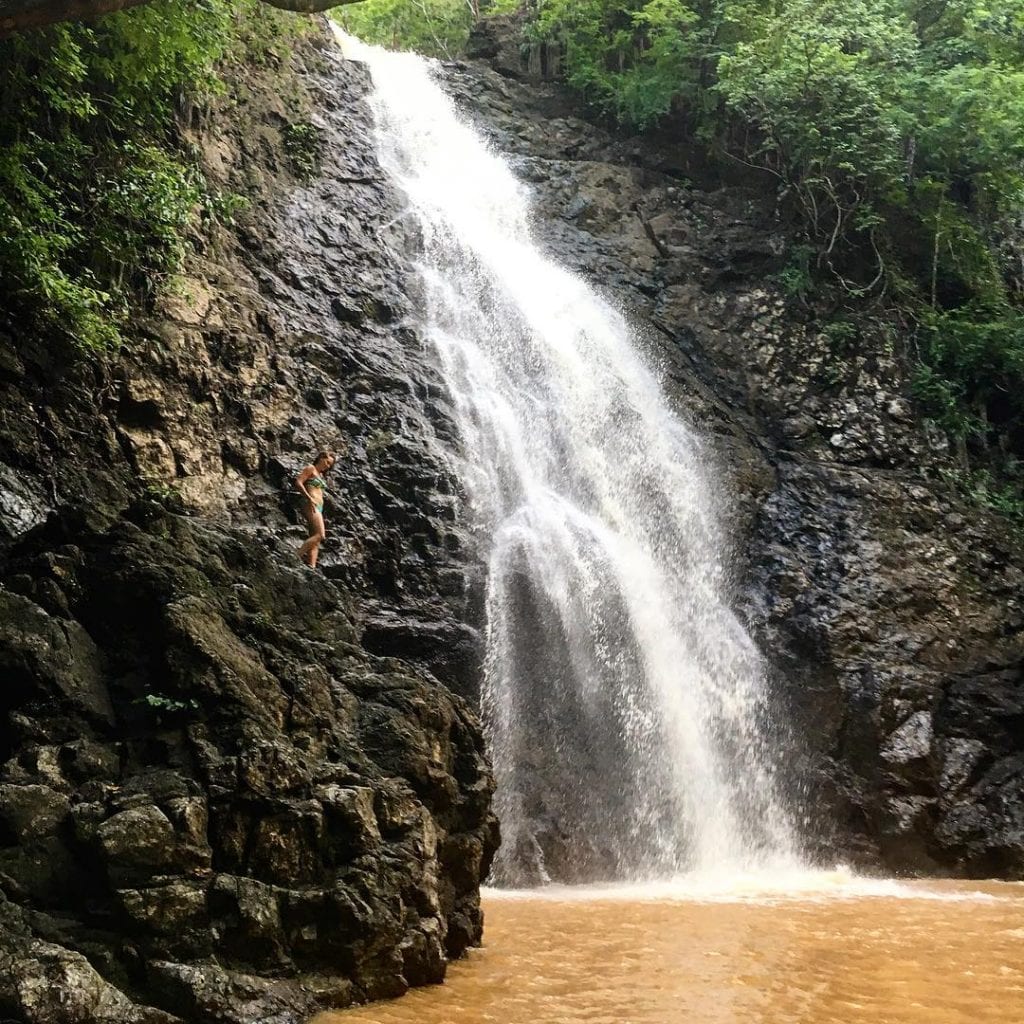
(308, 6)
(22, 15)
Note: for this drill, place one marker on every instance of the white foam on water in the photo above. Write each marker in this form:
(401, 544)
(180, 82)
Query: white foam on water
(804, 886)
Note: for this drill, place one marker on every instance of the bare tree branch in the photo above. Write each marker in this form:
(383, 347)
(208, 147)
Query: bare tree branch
(23, 15)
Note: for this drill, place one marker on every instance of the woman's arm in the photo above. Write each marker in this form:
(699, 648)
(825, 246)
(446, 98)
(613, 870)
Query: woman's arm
(300, 481)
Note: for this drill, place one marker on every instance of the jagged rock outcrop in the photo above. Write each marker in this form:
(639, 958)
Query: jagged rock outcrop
(889, 606)
(221, 798)
(289, 332)
(213, 793)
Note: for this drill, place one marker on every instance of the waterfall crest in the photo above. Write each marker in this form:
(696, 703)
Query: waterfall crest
(624, 702)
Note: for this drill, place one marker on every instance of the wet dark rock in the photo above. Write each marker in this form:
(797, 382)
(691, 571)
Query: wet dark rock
(453, 651)
(47, 983)
(216, 804)
(889, 608)
(293, 332)
(260, 810)
(21, 505)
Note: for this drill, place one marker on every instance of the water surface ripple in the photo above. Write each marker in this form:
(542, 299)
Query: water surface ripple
(846, 952)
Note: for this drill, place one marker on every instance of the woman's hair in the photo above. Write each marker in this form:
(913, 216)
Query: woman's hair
(321, 456)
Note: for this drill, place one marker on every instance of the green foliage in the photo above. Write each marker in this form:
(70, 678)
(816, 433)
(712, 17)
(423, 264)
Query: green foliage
(437, 28)
(862, 108)
(167, 705)
(163, 494)
(303, 144)
(222, 206)
(842, 335)
(96, 193)
(796, 277)
(982, 488)
(895, 131)
(822, 88)
(972, 369)
(630, 58)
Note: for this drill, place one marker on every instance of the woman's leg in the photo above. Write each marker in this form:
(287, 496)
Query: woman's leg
(314, 551)
(311, 548)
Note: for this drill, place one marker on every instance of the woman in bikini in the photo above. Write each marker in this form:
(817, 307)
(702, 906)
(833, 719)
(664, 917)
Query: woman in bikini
(311, 483)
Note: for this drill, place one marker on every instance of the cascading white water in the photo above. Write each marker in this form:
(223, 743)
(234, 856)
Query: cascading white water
(624, 703)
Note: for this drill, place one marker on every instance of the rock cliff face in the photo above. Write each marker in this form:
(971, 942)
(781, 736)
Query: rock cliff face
(211, 786)
(234, 790)
(890, 609)
(287, 333)
(221, 798)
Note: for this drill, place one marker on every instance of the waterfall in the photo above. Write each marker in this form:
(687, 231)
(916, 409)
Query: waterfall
(623, 701)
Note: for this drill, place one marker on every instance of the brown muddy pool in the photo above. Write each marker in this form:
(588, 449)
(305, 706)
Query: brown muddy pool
(823, 949)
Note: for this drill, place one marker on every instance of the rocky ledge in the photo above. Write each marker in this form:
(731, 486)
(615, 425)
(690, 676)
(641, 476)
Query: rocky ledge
(215, 804)
(221, 797)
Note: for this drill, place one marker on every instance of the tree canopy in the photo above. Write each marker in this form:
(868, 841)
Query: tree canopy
(437, 28)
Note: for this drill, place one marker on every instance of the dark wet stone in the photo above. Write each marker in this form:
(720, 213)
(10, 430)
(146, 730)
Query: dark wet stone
(281, 802)
(213, 799)
(889, 609)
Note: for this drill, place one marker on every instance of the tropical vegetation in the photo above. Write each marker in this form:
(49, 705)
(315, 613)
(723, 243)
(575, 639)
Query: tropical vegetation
(437, 28)
(98, 189)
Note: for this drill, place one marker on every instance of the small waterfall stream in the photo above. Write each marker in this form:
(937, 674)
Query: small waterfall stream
(624, 702)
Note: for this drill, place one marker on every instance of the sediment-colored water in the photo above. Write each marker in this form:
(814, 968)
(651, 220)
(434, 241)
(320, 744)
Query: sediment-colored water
(831, 950)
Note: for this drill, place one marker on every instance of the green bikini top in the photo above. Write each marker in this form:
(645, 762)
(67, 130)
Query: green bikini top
(315, 481)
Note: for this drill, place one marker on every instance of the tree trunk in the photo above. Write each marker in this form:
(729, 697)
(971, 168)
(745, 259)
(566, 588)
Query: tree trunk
(22, 15)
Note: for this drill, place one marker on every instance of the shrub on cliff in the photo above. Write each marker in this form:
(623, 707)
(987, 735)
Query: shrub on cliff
(97, 192)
